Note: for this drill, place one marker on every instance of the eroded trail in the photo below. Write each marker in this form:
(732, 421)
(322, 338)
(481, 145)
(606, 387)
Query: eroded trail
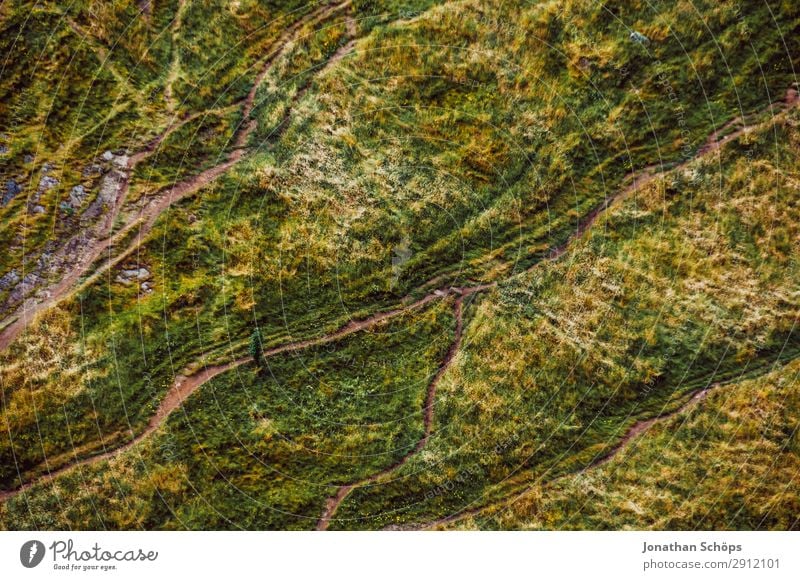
(78, 255)
(640, 178)
(186, 384)
(635, 181)
(175, 64)
(641, 426)
(637, 429)
(333, 502)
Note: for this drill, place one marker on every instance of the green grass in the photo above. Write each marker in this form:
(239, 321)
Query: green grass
(729, 463)
(474, 136)
(262, 449)
(673, 290)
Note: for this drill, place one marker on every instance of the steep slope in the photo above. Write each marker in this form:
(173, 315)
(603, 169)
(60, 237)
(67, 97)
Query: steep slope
(364, 156)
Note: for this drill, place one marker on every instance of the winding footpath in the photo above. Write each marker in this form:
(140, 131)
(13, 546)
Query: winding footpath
(78, 255)
(634, 182)
(186, 384)
(333, 502)
(632, 433)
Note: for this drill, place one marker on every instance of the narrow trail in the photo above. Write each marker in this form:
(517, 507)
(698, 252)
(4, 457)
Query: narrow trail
(641, 426)
(97, 239)
(89, 242)
(333, 502)
(184, 386)
(632, 433)
(187, 383)
(635, 181)
(148, 215)
(175, 64)
(181, 389)
(346, 48)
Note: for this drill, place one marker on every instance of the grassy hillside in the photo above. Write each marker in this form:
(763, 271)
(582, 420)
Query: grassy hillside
(691, 282)
(398, 147)
(729, 463)
(261, 449)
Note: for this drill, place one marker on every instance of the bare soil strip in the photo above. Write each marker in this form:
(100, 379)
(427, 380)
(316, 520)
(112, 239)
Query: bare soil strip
(634, 181)
(637, 429)
(333, 502)
(186, 384)
(94, 241)
(638, 179)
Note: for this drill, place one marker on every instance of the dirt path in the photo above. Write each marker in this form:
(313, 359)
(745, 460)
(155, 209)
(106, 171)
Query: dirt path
(88, 244)
(186, 384)
(641, 426)
(96, 240)
(639, 178)
(346, 48)
(175, 64)
(333, 502)
(637, 429)
(149, 214)
(634, 181)
(181, 388)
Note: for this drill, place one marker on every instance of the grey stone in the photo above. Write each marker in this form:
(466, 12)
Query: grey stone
(38, 209)
(27, 158)
(639, 38)
(8, 280)
(3, 149)
(44, 261)
(46, 183)
(121, 161)
(77, 196)
(93, 169)
(28, 284)
(128, 275)
(138, 273)
(12, 189)
(110, 187)
(107, 156)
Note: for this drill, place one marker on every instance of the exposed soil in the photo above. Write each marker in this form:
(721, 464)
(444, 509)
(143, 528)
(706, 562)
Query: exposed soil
(637, 429)
(186, 384)
(641, 426)
(99, 241)
(333, 502)
(640, 178)
(345, 49)
(181, 388)
(634, 181)
(95, 241)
